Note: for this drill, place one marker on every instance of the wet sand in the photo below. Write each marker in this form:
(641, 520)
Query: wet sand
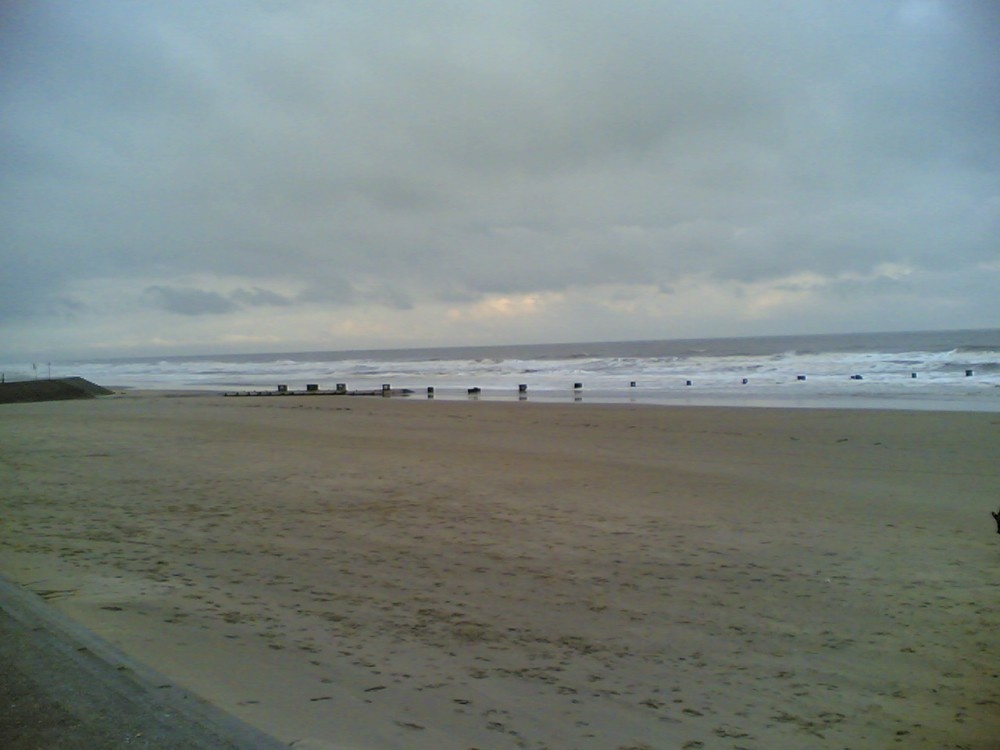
(379, 573)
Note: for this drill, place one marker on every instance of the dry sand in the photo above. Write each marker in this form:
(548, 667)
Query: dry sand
(378, 573)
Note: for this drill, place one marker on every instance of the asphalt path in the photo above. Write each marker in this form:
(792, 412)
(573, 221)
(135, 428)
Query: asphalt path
(63, 688)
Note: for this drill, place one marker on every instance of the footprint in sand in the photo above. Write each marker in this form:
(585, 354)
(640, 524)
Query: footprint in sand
(310, 743)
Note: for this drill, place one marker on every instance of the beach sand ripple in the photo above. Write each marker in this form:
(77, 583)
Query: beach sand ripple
(371, 573)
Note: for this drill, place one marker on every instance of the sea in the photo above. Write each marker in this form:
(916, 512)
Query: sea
(925, 370)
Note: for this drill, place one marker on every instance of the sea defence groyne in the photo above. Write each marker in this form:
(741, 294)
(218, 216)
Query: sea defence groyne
(57, 389)
(315, 390)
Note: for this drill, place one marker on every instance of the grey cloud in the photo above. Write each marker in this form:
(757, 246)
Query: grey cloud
(400, 152)
(187, 300)
(862, 289)
(328, 288)
(193, 301)
(257, 297)
(392, 296)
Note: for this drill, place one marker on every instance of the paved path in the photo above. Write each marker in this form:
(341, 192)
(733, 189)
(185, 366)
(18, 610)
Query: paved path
(63, 688)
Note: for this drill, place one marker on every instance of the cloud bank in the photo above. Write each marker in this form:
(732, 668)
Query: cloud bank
(181, 176)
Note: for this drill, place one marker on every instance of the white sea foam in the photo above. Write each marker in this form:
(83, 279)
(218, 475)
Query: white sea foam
(864, 370)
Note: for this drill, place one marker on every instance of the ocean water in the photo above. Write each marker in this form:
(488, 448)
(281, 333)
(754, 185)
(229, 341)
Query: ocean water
(951, 370)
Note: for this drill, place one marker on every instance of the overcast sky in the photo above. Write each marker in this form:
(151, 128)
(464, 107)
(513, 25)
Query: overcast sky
(194, 176)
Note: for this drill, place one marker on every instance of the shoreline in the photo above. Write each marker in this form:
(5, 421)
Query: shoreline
(897, 402)
(953, 370)
(357, 573)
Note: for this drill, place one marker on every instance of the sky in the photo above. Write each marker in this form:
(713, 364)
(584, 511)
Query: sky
(191, 176)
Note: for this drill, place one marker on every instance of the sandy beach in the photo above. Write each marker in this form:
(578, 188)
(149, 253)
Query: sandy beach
(368, 573)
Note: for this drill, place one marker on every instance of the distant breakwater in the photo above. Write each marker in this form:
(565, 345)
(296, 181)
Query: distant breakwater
(60, 389)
